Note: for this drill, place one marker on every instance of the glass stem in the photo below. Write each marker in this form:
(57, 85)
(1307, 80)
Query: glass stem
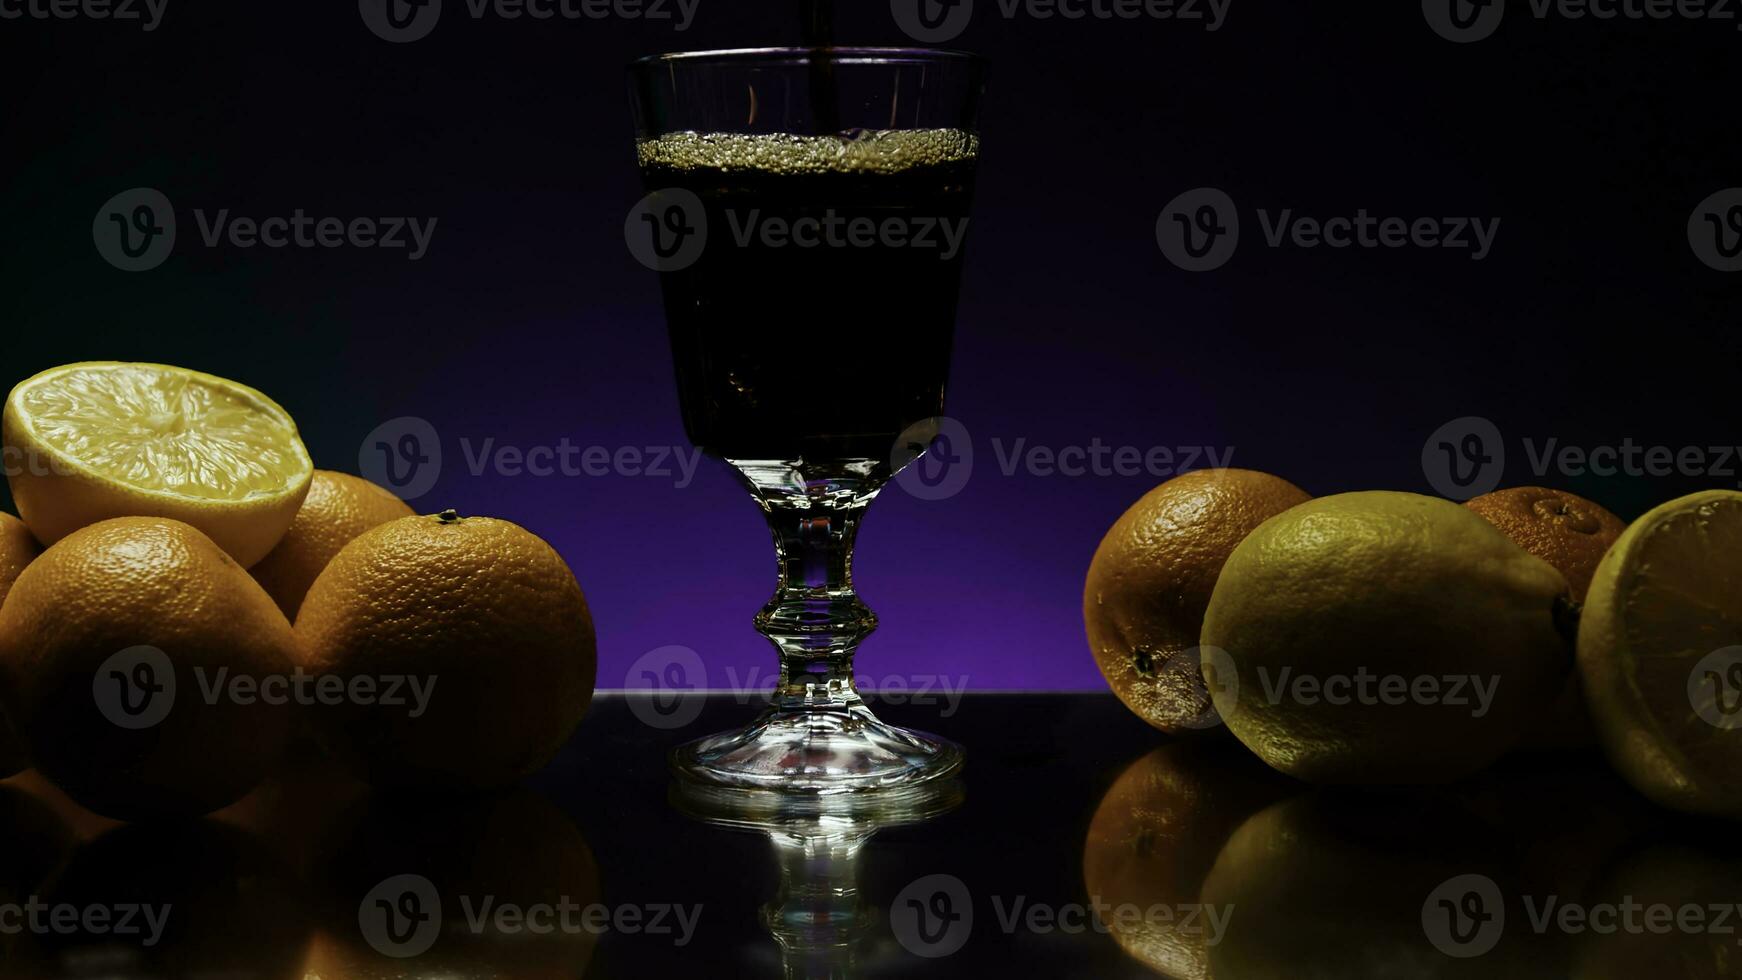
(815, 619)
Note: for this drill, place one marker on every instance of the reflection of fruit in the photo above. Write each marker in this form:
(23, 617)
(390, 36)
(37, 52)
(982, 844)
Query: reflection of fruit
(1143, 603)
(129, 583)
(1667, 911)
(218, 904)
(1340, 885)
(1155, 836)
(35, 840)
(1436, 633)
(292, 809)
(17, 549)
(481, 608)
(1564, 822)
(1665, 696)
(483, 856)
(105, 439)
(338, 508)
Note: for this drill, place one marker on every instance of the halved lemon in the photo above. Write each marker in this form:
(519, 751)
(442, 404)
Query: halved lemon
(87, 442)
(1660, 652)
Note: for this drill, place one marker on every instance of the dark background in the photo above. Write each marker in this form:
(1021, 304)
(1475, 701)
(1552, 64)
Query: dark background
(529, 322)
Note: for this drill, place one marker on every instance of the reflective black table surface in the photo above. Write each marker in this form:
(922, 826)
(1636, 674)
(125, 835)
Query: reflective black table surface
(1078, 843)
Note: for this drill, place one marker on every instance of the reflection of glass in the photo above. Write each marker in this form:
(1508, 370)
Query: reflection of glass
(828, 189)
(818, 916)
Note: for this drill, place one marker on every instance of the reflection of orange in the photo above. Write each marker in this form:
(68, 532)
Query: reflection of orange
(1151, 579)
(156, 584)
(338, 508)
(1673, 877)
(487, 612)
(233, 910)
(517, 850)
(84, 824)
(1156, 834)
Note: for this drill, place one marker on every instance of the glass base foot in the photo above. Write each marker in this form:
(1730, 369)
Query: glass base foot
(818, 750)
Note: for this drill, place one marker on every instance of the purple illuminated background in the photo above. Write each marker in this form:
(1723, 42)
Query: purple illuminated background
(528, 323)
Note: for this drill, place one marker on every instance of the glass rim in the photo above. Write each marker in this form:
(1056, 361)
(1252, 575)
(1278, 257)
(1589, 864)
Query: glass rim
(798, 54)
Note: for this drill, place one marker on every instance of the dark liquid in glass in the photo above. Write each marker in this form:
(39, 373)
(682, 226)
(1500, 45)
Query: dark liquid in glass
(789, 351)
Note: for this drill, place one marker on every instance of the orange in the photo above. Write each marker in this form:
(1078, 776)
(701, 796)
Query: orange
(480, 613)
(1572, 534)
(123, 648)
(17, 549)
(338, 508)
(1567, 531)
(1151, 579)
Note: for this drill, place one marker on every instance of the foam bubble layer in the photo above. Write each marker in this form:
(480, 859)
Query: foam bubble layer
(860, 151)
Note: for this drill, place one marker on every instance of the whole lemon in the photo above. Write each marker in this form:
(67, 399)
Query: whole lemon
(337, 509)
(135, 653)
(1144, 599)
(1383, 637)
(480, 629)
